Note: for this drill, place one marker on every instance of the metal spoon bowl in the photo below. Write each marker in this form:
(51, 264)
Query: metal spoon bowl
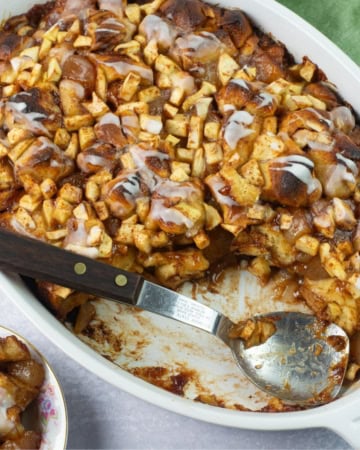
(303, 360)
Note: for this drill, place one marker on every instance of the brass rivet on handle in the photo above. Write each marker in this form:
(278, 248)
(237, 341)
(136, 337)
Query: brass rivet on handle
(121, 280)
(80, 268)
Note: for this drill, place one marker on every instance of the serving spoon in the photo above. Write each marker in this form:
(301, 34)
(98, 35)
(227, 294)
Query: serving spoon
(303, 360)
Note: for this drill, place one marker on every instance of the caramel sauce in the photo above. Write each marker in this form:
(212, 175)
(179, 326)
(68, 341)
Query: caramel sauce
(337, 342)
(160, 376)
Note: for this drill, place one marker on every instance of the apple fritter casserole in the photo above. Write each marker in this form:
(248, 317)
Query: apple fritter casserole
(159, 137)
(21, 378)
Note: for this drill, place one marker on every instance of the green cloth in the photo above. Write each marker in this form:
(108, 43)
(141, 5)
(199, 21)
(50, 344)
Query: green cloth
(339, 20)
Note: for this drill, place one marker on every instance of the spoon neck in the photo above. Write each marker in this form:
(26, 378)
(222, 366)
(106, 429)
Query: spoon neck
(222, 330)
(173, 305)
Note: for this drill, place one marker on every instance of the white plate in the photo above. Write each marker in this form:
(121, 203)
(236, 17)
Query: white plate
(140, 339)
(47, 414)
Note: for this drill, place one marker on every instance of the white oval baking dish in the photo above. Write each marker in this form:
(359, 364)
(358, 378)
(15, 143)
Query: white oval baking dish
(341, 416)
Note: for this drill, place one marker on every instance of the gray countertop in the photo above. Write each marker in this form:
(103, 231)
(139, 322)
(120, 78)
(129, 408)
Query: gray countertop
(104, 417)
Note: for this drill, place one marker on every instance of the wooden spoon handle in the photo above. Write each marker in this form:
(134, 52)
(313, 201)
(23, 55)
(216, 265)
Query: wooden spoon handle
(36, 259)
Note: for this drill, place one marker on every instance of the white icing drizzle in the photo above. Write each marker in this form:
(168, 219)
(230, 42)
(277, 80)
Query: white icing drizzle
(160, 189)
(318, 141)
(52, 157)
(30, 119)
(130, 120)
(129, 184)
(217, 184)
(89, 252)
(6, 402)
(343, 118)
(266, 99)
(123, 68)
(106, 30)
(172, 189)
(73, 5)
(86, 160)
(343, 212)
(21, 106)
(114, 6)
(242, 117)
(75, 88)
(337, 176)
(321, 145)
(235, 128)
(348, 163)
(130, 125)
(228, 107)
(54, 163)
(61, 53)
(328, 122)
(94, 236)
(156, 29)
(240, 82)
(123, 191)
(300, 167)
(160, 212)
(110, 25)
(198, 46)
(77, 233)
(110, 119)
(139, 156)
(76, 7)
(112, 21)
(323, 220)
(47, 143)
(297, 159)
